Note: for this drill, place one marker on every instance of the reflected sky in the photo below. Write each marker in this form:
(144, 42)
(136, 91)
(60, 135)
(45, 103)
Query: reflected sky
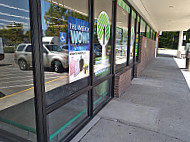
(14, 11)
(44, 8)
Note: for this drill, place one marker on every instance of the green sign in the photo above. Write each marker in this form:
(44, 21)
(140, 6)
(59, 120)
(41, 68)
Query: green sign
(142, 22)
(134, 14)
(137, 45)
(103, 28)
(138, 19)
(123, 5)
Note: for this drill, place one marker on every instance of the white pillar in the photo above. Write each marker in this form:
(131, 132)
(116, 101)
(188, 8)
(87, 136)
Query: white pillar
(157, 44)
(180, 43)
(180, 48)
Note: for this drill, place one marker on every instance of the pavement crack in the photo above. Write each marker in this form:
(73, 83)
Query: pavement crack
(136, 126)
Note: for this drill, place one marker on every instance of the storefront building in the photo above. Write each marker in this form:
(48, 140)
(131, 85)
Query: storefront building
(64, 61)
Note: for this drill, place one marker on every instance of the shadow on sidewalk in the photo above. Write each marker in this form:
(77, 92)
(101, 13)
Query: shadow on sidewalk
(166, 55)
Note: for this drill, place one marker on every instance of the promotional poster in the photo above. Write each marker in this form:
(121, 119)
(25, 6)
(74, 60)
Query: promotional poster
(103, 35)
(137, 44)
(79, 48)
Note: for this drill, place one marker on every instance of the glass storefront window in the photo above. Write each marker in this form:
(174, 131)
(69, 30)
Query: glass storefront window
(102, 37)
(137, 40)
(148, 31)
(17, 113)
(121, 38)
(66, 118)
(151, 34)
(132, 38)
(142, 28)
(101, 93)
(154, 35)
(66, 45)
(66, 61)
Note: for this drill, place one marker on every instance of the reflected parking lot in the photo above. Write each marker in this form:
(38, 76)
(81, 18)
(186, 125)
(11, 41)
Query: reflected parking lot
(15, 81)
(66, 37)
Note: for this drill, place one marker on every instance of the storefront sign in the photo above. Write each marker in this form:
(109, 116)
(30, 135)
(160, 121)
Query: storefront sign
(103, 32)
(137, 45)
(79, 48)
(123, 5)
(103, 28)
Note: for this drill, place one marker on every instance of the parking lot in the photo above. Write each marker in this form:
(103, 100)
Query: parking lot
(19, 84)
(17, 99)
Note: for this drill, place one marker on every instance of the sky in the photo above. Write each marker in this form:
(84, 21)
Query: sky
(14, 11)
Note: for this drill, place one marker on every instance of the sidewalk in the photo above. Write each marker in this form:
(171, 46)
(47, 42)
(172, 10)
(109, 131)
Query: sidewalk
(155, 108)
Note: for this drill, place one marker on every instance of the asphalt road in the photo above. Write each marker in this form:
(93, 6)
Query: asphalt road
(15, 81)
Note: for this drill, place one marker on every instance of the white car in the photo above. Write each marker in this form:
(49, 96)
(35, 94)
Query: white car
(54, 57)
(2, 55)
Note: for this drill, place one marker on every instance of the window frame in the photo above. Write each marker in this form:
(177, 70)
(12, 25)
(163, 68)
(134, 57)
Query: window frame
(119, 67)
(39, 85)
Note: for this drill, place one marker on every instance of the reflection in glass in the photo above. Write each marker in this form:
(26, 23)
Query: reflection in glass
(148, 32)
(121, 38)
(102, 37)
(101, 93)
(137, 41)
(132, 39)
(17, 114)
(66, 35)
(63, 120)
(142, 28)
(154, 35)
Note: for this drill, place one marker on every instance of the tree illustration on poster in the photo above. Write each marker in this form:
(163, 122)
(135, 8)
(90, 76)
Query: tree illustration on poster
(103, 32)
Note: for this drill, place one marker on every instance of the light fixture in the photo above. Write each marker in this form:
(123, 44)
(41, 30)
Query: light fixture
(171, 6)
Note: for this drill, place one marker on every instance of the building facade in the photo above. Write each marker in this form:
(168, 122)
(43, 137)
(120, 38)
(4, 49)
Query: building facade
(64, 60)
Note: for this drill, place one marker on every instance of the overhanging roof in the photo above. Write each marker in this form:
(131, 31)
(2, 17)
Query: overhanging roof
(164, 15)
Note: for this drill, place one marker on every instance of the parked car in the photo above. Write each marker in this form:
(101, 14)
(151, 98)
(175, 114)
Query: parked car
(53, 57)
(65, 48)
(2, 55)
(51, 40)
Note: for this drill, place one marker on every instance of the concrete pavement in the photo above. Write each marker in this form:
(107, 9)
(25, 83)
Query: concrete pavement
(155, 108)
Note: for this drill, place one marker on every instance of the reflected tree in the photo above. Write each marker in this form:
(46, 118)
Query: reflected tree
(187, 34)
(56, 19)
(13, 34)
(169, 40)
